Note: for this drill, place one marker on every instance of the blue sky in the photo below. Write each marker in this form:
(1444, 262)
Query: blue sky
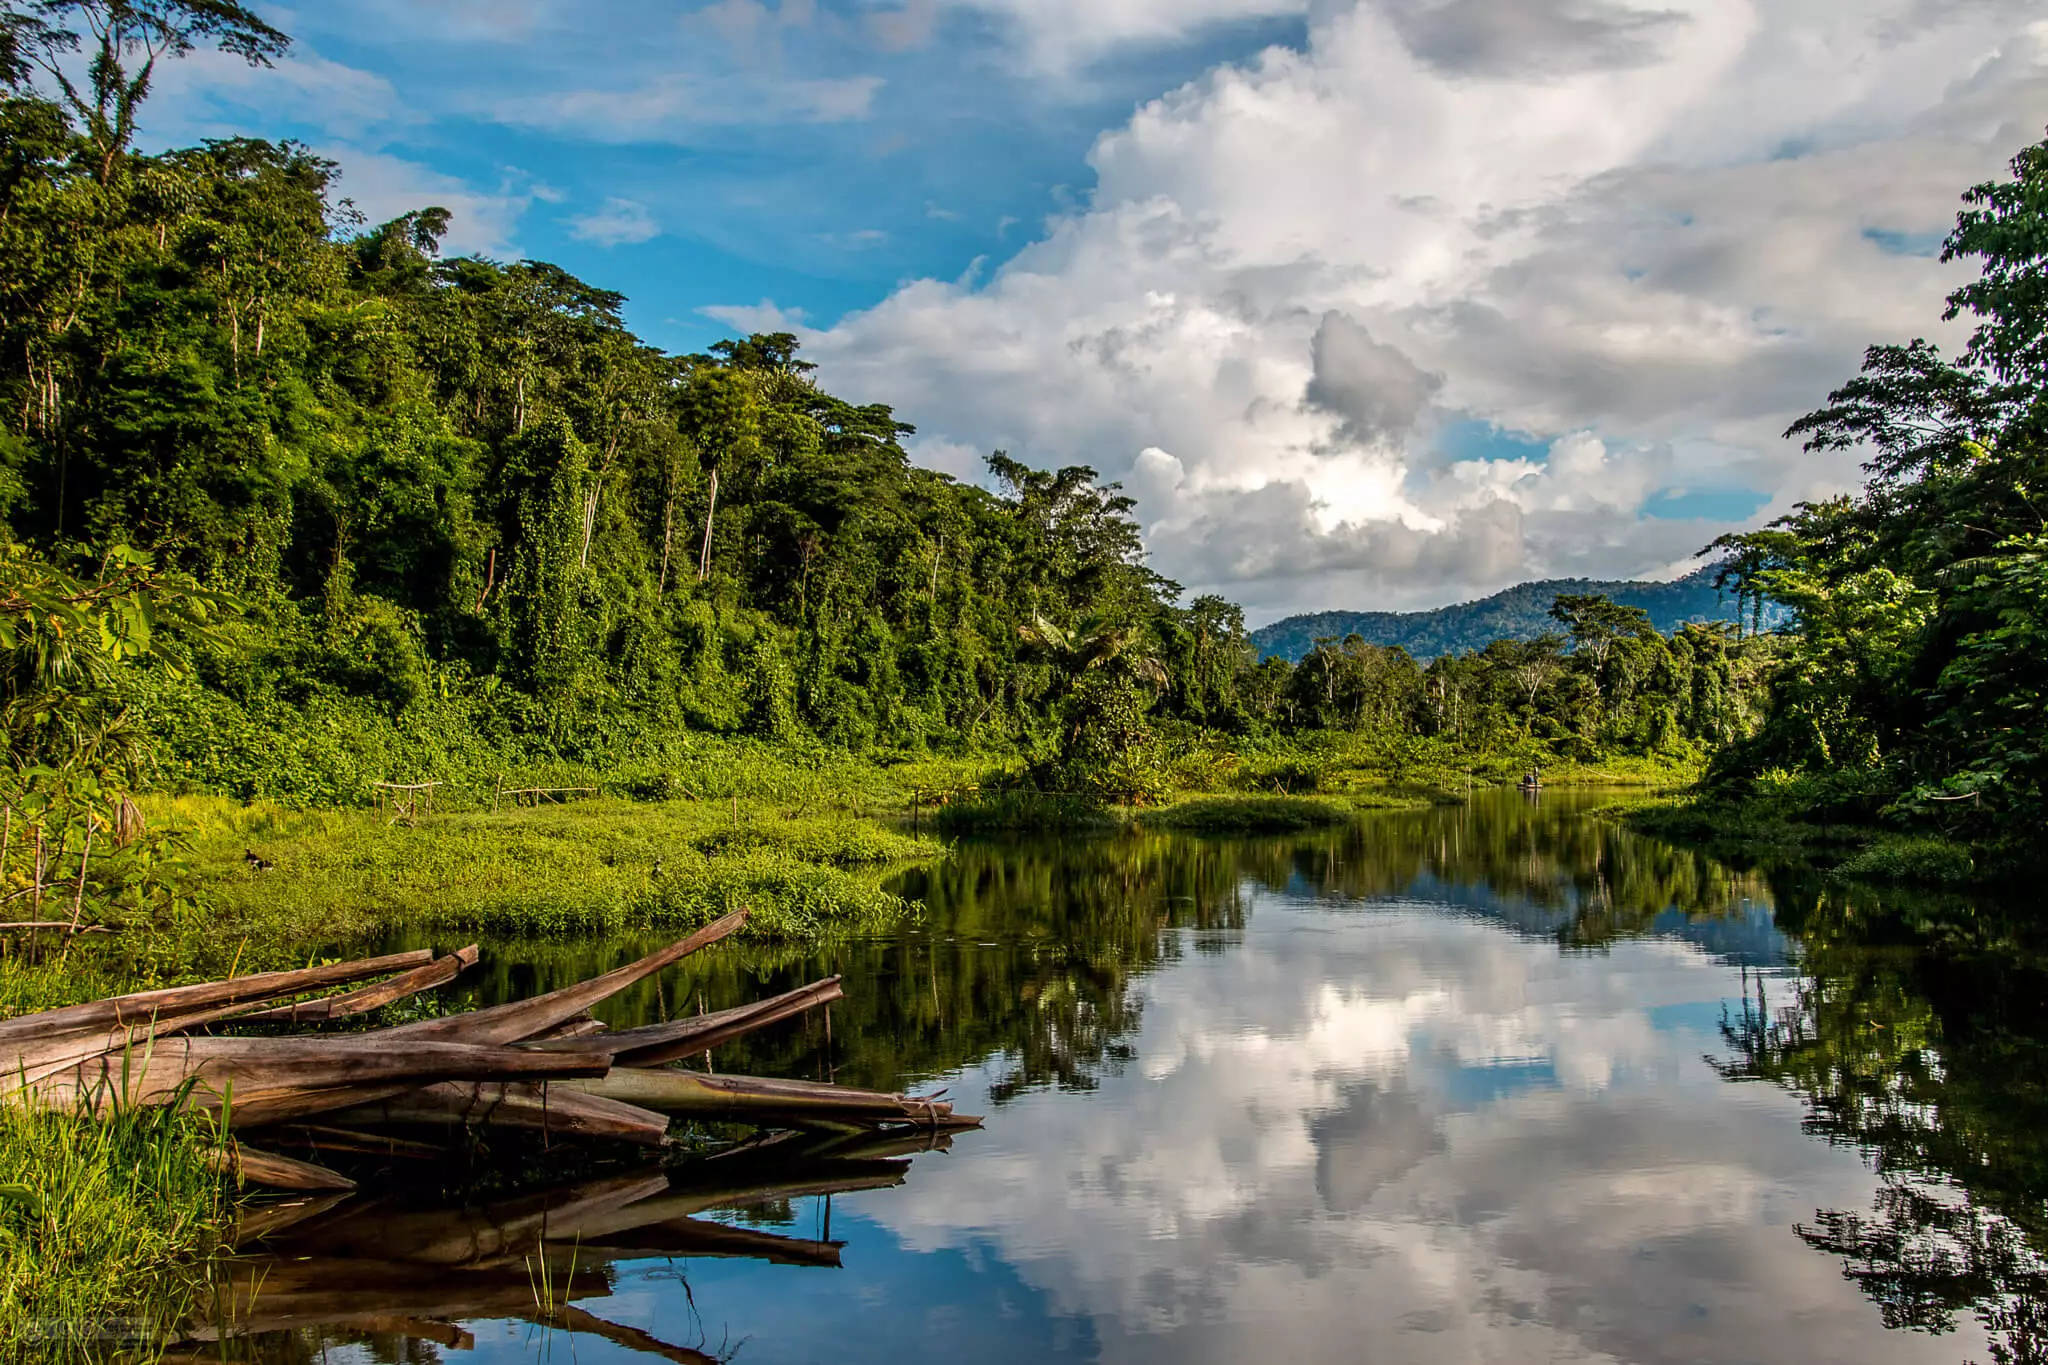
(1370, 303)
(702, 155)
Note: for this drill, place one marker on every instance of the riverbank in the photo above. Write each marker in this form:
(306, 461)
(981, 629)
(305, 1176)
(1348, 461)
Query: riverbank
(1763, 830)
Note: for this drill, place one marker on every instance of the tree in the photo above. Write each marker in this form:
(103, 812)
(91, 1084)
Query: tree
(125, 39)
(1914, 656)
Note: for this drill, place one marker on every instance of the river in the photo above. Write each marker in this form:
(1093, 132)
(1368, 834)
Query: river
(1501, 1082)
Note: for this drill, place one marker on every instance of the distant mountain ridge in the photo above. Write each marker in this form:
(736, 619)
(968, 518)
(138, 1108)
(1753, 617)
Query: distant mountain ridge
(1518, 613)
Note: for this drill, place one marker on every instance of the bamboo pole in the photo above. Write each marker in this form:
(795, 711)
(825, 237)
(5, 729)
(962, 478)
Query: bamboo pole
(161, 1006)
(436, 973)
(521, 1019)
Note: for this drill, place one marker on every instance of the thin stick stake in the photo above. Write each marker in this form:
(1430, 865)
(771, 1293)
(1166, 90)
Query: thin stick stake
(78, 898)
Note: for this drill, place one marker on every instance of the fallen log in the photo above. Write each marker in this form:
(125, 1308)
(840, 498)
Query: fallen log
(270, 1080)
(654, 1044)
(758, 1098)
(497, 1104)
(251, 1167)
(159, 1007)
(522, 1019)
(439, 972)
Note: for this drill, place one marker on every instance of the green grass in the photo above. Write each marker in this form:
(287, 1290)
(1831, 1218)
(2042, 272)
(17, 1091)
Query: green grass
(601, 865)
(993, 812)
(1246, 815)
(1911, 860)
(109, 1232)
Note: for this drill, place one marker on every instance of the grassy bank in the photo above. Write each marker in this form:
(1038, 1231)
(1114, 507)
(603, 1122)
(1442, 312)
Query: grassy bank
(599, 865)
(108, 1232)
(1767, 828)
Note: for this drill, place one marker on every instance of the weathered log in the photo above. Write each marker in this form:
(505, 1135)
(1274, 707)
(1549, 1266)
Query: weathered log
(509, 1023)
(162, 1006)
(570, 1318)
(701, 1237)
(654, 1044)
(251, 1167)
(439, 972)
(497, 1104)
(269, 1080)
(755, 1097)
(582, 1026)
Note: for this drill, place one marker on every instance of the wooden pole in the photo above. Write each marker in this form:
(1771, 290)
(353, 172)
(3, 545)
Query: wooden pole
(78, 898)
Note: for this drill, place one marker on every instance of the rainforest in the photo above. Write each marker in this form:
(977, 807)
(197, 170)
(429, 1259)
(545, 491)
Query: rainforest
(357, 593)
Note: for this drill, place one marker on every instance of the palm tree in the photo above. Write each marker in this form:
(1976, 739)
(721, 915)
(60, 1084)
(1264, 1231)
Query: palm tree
(1093, 645)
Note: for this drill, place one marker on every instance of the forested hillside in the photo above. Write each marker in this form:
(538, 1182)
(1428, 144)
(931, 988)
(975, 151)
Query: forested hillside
(1518, 613)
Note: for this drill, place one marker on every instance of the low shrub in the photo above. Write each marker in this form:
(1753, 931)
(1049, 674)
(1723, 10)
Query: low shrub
(1914, 860)
(1247, 815)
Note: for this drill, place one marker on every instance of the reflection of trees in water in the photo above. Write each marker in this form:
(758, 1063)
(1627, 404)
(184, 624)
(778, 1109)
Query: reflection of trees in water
(1542, 867)
(1934, 1063)
(1029, 950)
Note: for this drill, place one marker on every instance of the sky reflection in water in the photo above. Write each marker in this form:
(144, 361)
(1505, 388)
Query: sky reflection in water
(1414, 1126)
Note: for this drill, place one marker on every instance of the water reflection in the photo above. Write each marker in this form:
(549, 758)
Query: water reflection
(1447, 1085)
(1932, 1061)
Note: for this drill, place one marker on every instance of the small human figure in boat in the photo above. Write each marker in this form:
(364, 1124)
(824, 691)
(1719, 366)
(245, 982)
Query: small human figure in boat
(1532, 780)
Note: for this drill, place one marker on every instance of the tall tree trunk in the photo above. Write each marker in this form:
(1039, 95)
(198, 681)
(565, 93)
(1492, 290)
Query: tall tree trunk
(668, 513)
(704, 559)
(589, 521)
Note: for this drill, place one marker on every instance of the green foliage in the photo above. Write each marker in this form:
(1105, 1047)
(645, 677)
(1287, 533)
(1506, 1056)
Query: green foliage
(1911, 860)
(1914, 657)
(480, 528)
(1247, 815)
(108, 1232)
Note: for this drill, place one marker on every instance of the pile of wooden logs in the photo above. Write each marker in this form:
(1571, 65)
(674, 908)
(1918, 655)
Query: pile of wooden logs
(543, 1064)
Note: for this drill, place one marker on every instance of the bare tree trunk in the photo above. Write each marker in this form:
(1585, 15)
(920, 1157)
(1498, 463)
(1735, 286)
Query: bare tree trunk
(668, 513)
(589, 521)
(704, 559)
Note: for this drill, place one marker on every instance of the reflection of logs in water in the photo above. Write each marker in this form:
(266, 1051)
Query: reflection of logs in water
(389, 1266)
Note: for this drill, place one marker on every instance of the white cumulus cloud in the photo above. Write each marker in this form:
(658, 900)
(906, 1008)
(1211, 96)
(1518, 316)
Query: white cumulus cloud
(1648, 235)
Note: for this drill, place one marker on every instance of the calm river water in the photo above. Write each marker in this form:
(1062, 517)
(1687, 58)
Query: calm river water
(1492, 1083)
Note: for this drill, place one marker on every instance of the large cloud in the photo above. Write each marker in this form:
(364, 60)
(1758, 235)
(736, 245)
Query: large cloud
(1646, 235)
